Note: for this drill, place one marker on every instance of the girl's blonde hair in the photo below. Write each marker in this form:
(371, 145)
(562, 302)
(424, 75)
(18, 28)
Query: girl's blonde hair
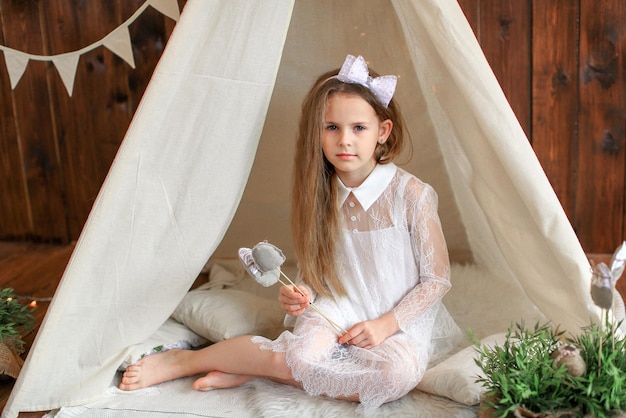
(315, 217)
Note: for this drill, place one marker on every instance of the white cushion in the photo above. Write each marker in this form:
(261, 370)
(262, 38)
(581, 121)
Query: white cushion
(455, 377)
(219, 314)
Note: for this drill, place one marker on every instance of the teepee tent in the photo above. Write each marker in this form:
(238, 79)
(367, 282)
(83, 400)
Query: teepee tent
(205, 169)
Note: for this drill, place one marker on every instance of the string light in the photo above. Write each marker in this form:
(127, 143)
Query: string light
(33, 299)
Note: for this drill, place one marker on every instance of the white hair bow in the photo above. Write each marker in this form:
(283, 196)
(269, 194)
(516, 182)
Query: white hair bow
(354, 70)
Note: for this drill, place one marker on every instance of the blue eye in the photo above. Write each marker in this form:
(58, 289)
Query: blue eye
(359, 128)
(331, 127)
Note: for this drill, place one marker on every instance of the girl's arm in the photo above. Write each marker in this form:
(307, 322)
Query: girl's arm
(431, 257)
(369, 334)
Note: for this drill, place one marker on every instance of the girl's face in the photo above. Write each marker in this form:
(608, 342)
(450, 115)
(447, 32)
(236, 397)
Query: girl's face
(351, 132)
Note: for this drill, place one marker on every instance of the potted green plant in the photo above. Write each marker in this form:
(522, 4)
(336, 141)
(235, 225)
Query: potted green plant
(539, 372)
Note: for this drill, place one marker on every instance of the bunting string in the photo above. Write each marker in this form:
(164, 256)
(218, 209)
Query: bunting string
(117, 41)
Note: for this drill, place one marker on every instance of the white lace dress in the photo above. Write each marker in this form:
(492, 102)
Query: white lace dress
(393, 257)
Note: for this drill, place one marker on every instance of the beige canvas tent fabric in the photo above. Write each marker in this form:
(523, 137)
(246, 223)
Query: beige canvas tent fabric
(235, 72)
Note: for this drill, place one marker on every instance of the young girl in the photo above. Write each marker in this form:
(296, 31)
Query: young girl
(371, 255)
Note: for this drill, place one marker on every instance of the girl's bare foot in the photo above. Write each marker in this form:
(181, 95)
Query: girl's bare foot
(152, 370)
(220, 380)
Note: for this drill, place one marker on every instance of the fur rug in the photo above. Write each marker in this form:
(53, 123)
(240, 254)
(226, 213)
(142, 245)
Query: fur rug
(258, 398)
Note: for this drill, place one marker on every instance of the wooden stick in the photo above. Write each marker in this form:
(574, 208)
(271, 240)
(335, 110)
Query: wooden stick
(312, 305)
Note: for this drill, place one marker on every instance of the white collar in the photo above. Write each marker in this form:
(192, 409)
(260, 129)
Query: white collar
(371, 188)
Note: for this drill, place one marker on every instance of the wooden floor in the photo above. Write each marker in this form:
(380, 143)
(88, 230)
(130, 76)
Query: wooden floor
(31, 270)
(35, 270)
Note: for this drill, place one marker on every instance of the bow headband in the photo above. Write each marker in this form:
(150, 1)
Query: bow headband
(354, 70)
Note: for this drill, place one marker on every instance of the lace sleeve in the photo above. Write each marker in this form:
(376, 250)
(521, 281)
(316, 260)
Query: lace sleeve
(431, 255)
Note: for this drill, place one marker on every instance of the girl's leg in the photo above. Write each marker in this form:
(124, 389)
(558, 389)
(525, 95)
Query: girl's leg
(237, 356)
(221, 380)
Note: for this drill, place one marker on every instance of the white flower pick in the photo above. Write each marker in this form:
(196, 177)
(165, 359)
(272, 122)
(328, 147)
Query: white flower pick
(604, 278)
(618, 262)
(263, 263)
(601, 287)
(603, 282)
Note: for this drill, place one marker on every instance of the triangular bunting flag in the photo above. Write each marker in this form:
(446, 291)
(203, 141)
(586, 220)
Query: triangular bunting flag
(119, 43)
(16, 65)
(66, 66)
(168, 7)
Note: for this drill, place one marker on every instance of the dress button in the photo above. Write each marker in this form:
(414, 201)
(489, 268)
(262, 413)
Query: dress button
(351, 204)
(355, 230)
(353, 218)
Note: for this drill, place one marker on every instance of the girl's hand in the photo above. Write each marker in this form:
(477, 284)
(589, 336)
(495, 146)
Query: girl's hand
(369, 334)
(292, 301)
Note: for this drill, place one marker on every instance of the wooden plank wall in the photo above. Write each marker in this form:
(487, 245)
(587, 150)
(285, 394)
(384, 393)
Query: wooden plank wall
(56, 150)
(560, 63)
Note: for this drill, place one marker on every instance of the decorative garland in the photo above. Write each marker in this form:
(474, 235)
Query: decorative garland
(118, 41)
